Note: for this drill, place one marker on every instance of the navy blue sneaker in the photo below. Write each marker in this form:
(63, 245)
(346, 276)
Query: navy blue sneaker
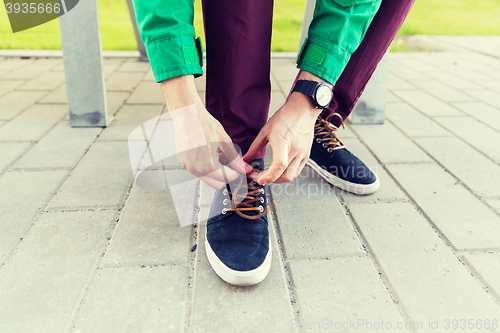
(337, 165)
(237, 238)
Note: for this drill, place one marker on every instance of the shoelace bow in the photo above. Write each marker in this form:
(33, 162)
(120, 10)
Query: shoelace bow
(249, 198)
(324, 128)
(247, 204)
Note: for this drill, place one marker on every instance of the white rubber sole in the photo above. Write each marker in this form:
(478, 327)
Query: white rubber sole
(239, 278)
(343, 184)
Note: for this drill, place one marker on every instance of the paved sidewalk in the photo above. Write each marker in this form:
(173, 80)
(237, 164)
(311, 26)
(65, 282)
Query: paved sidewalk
(83, 249)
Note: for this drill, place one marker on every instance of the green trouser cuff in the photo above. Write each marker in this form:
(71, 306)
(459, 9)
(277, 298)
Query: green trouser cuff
(323, 58)
(175, 56)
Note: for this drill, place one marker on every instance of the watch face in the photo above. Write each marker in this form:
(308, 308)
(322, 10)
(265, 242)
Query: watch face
(324, 95)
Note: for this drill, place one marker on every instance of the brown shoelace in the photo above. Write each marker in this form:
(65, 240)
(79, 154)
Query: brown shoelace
(323, 127)
(247, 204)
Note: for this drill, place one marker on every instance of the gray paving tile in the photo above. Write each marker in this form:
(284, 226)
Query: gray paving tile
(51, 284)
(115, 100)
(134, 66)
(389, 144)
(220, 307)
(412, 122)
(396, 83)
(147, 93)
(427, 103)
(392, 98)
(127, 119)
(46, 81)
(327, 232)
(443, 91)
(339, 292)
(33, 123)
(405, 72)
(136, 300)
(284, 69)
(455, 81)
(277, 101)
(488, 265)
(493, 84)
(495, 204)
(99, 180)
(21, 199)
(149, 76)
(464, 162)
(149, 232)
(9, 151)
(109, 68)
(15, 102)
(274, 83)
(201, 83)
(463, 219)
(488, 96)
(420, 66)
(123, 81)
(430, 281)
(58, 96)
(482, 112)
(30, 70)
(8, 85)
(474, 133)
(60, 148)
(388, 190)
(11, 64)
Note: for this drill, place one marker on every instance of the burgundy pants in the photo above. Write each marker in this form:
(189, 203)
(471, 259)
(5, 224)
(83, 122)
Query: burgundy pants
(238, 39)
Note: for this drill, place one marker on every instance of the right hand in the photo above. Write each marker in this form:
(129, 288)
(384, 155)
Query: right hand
(199, 137)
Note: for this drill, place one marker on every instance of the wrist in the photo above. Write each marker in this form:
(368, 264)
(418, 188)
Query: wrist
(180, 92)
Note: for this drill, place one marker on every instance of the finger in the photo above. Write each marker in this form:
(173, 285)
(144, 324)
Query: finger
(290, 172)
(301, 166)
(212, 182)
(234, 159)
(256, 147)
(280, 162)
(224, 174)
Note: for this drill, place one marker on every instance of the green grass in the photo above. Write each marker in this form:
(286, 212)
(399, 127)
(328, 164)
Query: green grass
(431, 17)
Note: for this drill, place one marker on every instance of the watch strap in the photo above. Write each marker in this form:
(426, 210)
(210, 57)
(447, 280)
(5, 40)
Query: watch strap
(306, 87)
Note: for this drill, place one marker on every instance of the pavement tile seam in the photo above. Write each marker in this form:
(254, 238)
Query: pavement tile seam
(41, 210)
(284, 265)
(459, 181)
(375, 262)
(494, 294)
(382, 274)
(422, 212)
(7, 168)
(192, 262)
(91, 277)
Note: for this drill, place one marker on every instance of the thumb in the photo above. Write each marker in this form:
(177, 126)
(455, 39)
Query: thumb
(256, 147)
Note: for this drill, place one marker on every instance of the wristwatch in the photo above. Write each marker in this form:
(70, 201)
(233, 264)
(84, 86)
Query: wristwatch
(320, 92)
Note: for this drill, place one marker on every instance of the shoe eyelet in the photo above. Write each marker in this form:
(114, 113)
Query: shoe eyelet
(262, 190)
(224, 192)
(261, 209)
(262, 200)
(317, 140)
(329, 150)
(224, 202)
(224, 211)
(324, 146)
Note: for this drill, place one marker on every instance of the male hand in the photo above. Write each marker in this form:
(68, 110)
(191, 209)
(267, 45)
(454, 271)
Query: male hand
(290, 133)
(199, 137)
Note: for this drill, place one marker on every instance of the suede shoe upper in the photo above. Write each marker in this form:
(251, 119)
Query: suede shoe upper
(241, 242)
